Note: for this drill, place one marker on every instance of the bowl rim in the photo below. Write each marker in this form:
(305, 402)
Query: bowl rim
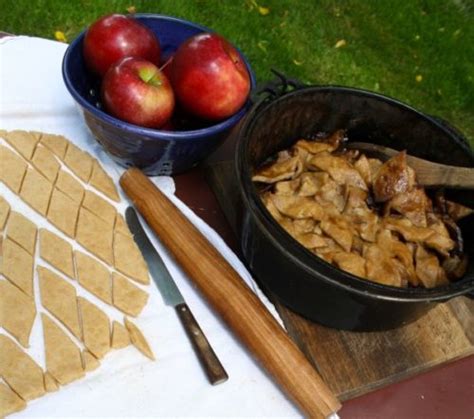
(301, 256)
(152, 134)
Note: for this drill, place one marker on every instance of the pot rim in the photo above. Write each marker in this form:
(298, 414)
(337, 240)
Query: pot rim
(301, 256)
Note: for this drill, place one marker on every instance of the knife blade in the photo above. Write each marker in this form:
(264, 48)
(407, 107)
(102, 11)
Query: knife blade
(172, 296)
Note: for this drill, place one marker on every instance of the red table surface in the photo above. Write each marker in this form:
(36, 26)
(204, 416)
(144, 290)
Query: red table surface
(446, 392)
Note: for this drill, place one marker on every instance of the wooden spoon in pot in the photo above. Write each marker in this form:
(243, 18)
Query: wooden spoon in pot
(428, 173)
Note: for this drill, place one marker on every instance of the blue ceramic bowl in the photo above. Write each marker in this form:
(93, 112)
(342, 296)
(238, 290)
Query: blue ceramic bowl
(157, 152)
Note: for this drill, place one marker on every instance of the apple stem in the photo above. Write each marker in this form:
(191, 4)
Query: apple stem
(167, 63)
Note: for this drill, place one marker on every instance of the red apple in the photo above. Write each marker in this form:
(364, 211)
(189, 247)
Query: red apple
(136, 91)
(209, 77)
(114, 37)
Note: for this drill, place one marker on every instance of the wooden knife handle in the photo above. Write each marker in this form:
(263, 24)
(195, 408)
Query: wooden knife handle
(231, 298)
(212, 366)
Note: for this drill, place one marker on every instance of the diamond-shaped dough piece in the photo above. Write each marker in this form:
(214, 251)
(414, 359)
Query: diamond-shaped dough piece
(129, 260)
(95, 235)
(55, 143)
(128, 297)
(138, 340)
(22, 231)
(10, 402)
(63, 356)
(17, 265)
(46, 163)
(100, 207)
(22, 141)
(4, 212)
(12, 169)
(121, 226)
(96, 328)
(50, 383)
(120, 335)
(94, 276)
(70, 186)
(103, 182)
(63, 212)
(57, 252)
(59, 297)
(19, 370)
(79, 162)
(89, 361)
(17, 312)
(36, 191)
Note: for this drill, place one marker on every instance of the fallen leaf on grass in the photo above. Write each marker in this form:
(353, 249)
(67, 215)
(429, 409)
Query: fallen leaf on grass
(132, 10)
(252, 4)
(263, 45)
(59, 35)
(341, 43)
(296, 62)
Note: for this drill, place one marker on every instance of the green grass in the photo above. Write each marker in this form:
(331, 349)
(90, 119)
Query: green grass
(388, 42)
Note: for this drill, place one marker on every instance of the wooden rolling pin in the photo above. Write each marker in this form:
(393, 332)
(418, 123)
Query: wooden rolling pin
(231, 298)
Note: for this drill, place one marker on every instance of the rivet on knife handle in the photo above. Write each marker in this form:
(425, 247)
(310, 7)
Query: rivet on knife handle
(212, 366)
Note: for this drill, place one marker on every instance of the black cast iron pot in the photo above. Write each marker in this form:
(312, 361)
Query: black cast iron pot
(299, 279)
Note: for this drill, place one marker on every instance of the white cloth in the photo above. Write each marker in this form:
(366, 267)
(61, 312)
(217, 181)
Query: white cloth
(33, 97)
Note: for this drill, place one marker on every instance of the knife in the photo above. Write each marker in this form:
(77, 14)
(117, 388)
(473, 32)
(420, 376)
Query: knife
(172, 296)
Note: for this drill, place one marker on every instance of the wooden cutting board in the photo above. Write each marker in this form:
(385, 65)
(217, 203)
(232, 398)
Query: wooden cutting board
(354, 363)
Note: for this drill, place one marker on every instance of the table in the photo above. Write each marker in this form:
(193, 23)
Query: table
(444, 392)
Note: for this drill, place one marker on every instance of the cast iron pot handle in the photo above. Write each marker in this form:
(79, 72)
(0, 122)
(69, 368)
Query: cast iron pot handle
(270, 90)
(452, 129)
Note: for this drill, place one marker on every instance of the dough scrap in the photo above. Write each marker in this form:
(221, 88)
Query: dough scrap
(36, 191)
(129, 260)
(4, 212)
(100, 207)
(17, 265)
(55, 143)
(10, 402)
(50, 383)
(121, 225)
(19, 370)
(70, 186)
(63, 212)
(57, 252)
(63, 356)
(94, 276)
(95, 235)
(79, 162)
(89, 361)
(95, 327)
(120, 335)
(12, 169)
(17, 312)
(22, 141)
(46, 163)
(128, 297)
(138, 340)
(103, 182)
(22, 231)
(59, 298)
